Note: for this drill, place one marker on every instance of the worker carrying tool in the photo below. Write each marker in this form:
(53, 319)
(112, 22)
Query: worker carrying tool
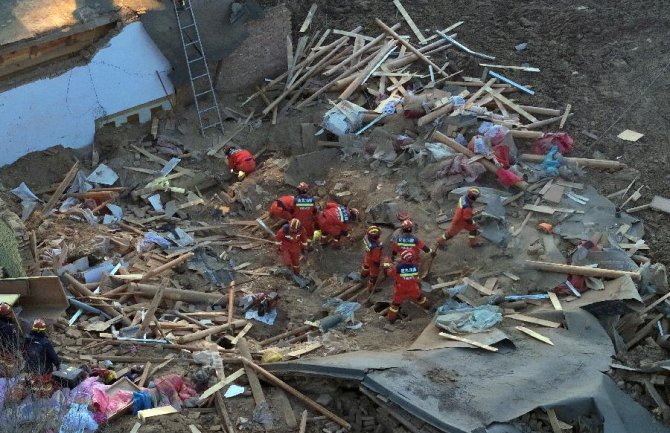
(373, 256)
(240, 161)
(282, 208)
(333, 223)
(462, 219)
(304, 208)
(9, 341)
(293, 241)
(406, 283)
(408, 241)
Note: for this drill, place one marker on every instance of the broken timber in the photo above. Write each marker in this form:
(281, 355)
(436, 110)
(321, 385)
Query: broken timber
(585, 271)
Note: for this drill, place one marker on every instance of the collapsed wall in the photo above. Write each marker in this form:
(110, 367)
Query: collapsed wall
(16, 259)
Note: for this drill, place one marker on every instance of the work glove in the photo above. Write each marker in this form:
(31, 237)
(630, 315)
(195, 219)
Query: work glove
(241, 175)
(432, 252)
(316, 236)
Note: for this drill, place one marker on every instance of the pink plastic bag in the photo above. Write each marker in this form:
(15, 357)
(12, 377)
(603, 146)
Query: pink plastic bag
(508, 177)
(562, 140)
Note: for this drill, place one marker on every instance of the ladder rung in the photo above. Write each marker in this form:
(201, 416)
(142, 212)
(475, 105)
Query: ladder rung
(188, 26)
(210, 126)
(191, 43)
(195, 60)
(207, 109)
(202, 93)
(198, 77)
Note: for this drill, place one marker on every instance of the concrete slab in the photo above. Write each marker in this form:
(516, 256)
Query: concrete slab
(495, 387)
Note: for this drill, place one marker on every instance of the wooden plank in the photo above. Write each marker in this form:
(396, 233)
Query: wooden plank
(553, 421)
(61, 188)
(242, 333)
(509, 103)
(410, 22)
(308, 18)
(516, 68)
(565, 116)
(567, 184)
(660, 203)
(535, 320)
(655, 303)
(490, 283)
(475, 285)
(136, 427)
(194, 429)
(468, 341)
(662, 405)
(554, 194)
(511, 276)
(157, 411)
(228, 380)
(151, 311)
(534, 334)
(303, 421)
(353, 35)
(299, 352)
(285, 407)
(644, 331)
(555, 302)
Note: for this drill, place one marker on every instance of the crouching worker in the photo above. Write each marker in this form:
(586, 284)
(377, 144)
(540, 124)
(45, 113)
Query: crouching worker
(334, 222)
(41, 359)
(9, 342)
(406, 285)
(373, 256)
(240, 161)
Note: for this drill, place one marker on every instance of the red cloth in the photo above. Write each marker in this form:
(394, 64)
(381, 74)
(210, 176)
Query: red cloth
(282, 208)
(330, 220)
(407, 241)
(406, 282)
(373, 257)
(175, 388)
(562, 140)
(462, 219)
(507, 177)
(304, 208)
(242, 160)
(502, 154)
(291, 245)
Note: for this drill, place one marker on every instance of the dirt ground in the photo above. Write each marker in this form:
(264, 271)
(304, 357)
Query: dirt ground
(604, 59)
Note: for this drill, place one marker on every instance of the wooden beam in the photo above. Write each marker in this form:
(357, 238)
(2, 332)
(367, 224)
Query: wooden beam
(468, 341)
(585, 271)
(535, 335)
(220, 385)
(410, 47)
(499, 96)
(210, 331)
(555, 302)
(274, 380)
(61, 188)
(565, 116)
(308, 18)
(583, 162)
(221, 409)
(534, 320)
(254, 383)
(151, 311)
(475, 285)
(410, 22)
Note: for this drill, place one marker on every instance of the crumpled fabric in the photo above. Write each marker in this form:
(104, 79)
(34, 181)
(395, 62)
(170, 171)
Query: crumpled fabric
(458, 166)
(508, 177)
(562, 140)
(78, 420)
(141, 401)
(175, 388)
(502, 153)
(551, 163)
(469, 320)
(97, 392)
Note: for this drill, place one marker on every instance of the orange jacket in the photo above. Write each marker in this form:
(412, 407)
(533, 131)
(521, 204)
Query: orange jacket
(242, 160)
(463, 211)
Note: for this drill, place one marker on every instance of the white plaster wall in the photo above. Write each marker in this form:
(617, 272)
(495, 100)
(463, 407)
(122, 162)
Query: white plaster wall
(62, 110)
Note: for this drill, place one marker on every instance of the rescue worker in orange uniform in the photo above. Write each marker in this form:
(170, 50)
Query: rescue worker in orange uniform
(333, 223)
(9, 341)
(373, 256)
(408, 241)
(293, 241)
(406, 283)
(462, 219)
(282, 208)
(304, 208)
(240, 161)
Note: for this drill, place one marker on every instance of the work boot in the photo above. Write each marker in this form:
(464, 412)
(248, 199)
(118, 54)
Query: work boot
(296, 270)
(424, 303)
(474, 241)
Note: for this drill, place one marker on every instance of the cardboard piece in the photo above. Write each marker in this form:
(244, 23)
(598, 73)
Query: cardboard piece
(630, 135)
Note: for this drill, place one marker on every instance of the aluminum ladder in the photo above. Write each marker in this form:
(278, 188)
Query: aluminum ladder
(204, 96)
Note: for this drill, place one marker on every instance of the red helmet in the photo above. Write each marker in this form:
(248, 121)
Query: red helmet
(374, 232)
(473, 193)
(294, 225)
(407, 225)
(353, 214)
(303, 187)
(407, 256)
(5, 310)
(39, 325)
